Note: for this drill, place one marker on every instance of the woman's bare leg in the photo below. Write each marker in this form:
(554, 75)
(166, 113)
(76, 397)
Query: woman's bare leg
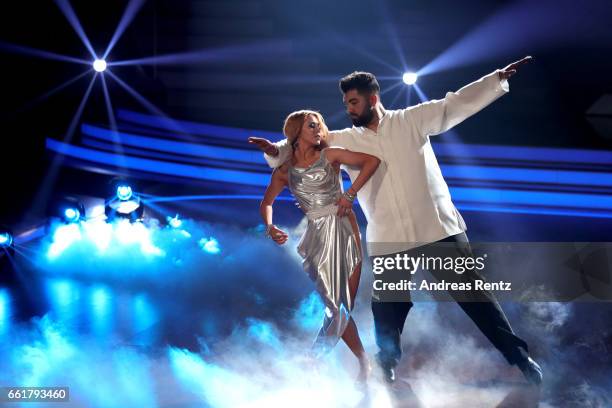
(356, 275)
(351, 334)
(352, 340)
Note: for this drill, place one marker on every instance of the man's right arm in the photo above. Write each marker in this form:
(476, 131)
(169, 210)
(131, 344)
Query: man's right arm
(283, 152)
(274, 153)
(279, 152)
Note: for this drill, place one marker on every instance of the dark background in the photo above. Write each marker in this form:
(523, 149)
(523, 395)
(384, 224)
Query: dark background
(288, 55)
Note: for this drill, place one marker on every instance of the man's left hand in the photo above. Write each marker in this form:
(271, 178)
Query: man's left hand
(510, 70)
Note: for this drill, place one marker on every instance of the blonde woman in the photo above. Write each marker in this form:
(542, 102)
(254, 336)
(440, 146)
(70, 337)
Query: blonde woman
(330, 246)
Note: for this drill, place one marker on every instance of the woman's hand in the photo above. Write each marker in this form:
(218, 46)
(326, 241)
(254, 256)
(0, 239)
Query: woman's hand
(278, 235)
(264, 145)
(368, 165)
(344, 206)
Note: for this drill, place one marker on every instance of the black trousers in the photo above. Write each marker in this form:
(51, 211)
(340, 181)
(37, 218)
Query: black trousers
(486, 313)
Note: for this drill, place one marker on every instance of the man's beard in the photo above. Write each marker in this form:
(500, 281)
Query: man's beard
(365, 118)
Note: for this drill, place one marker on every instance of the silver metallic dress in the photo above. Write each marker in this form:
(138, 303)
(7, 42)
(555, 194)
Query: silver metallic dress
(328, 246)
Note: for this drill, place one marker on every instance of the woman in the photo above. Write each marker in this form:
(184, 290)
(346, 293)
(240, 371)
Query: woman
(330, 247)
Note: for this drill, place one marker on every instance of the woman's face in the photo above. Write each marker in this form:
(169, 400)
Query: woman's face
(311, 132)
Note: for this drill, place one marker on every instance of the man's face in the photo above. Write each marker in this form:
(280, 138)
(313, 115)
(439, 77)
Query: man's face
(358, 107)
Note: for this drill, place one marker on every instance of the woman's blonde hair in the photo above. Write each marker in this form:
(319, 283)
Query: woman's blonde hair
(295, 121)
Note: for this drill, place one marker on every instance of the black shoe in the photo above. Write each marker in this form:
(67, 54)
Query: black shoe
(531, 370)
(387, 370)
(388, 374)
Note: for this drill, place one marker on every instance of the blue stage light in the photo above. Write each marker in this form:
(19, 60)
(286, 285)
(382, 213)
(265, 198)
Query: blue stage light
(99, 65)
(409, 78)
(72, 214)
(209, 245)
(125, 204)
(124, 192)
(6, 240)
(69, 209)
(175, 222)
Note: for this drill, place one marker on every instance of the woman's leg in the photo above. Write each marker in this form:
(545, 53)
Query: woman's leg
(352, 340)
(356, 275)
(351, 334)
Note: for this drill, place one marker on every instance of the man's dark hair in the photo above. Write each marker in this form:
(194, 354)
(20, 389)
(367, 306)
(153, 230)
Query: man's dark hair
(364, 82)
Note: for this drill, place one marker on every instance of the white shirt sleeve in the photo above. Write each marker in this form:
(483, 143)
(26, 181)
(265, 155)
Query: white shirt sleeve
(284, 149)
(439, 115)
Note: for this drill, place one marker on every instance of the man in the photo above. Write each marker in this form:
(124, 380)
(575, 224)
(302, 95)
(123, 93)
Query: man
(407, 203)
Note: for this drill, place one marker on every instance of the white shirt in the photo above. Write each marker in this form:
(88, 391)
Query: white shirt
(407, 202)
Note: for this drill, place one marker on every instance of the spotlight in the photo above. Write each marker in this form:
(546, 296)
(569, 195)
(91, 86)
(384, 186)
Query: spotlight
(209, 245)
(125, 203)
(124, 192)
(6, 239)
(410, 78)
(72, 214)
(174, 222)
(7, 248)
(99, 65)
(69, 209)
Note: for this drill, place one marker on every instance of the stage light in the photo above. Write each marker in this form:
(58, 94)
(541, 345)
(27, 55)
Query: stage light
(99, 65)
(125, 203)
(72, 214)
(209, 245)
(6, 239)
(174, 222)
(409, 78)
(69, 209)
(124, 192)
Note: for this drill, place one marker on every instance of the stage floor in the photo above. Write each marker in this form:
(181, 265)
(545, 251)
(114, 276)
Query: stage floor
(214, 314)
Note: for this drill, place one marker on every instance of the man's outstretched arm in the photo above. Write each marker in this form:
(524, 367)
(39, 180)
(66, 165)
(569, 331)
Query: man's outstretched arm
(278, 153)
(438, 116)
(274, 153)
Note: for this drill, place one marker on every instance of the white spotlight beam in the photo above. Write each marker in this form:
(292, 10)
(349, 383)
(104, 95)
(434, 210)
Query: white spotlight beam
(72, 18)
(128, 15)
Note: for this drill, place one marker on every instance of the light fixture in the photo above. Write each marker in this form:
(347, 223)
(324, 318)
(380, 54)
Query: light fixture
(68, 209)
(72, 214)
(125, 202)
(410, 78)
(209, 245)
(7, 246)
(99, 65)
(174, 222)
(124, 192)
(6, 239)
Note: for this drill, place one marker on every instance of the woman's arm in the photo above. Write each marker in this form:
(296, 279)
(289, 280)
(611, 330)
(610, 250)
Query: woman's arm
(366, 162)
(277, 184)
(277, 153)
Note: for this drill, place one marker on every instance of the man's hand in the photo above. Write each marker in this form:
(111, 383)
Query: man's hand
(510, 70)
(264, 145)
(344, 206)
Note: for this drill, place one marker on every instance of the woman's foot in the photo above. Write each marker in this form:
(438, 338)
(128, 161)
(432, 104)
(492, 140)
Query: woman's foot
(364, 370)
